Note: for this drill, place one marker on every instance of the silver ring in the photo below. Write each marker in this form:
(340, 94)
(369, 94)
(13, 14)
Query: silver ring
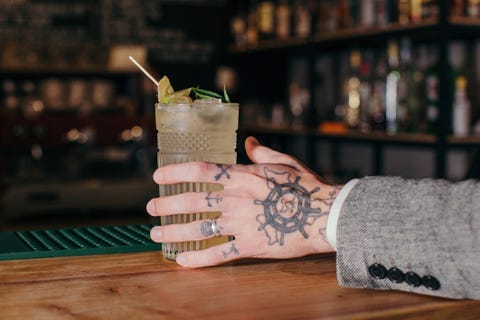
(214, 227)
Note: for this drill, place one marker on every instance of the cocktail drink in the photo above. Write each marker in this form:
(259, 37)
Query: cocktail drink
(188, 130)
(204, 130)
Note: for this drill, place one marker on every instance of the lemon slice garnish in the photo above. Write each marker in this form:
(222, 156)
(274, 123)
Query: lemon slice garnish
(164, 88)
(181, 96)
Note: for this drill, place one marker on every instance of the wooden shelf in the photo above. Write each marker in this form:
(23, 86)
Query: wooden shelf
(279, 130)
(400, 138)
(464, 21)
(365, 32)
(360, 33)
(63, 70)
(464, 141)
(353, 136)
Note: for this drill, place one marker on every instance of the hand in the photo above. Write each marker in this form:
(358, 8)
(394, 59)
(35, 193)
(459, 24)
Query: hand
(274, 208)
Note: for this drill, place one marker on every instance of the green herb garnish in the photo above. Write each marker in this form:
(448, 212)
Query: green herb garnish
(205, 94)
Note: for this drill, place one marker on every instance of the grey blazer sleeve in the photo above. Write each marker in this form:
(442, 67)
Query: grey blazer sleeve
(420, 236)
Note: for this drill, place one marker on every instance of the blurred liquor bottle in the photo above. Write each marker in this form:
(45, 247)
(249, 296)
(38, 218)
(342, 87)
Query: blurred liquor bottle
(430, 10)
(252, 23)
(367, 13)
(266, 19)
(392, 85)
(302, 22)
(432, 84)
(473, 8)
(326, 16)
(352, 88)
(344, 14)
(409, 90)
(377, 116)
(461, 104)
(283, 19)
(461, 108)
(457, 8)
(238, 25)
(404, 10)
(366, 91)
(416, 11)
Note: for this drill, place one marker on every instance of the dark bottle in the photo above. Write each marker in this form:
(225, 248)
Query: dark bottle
(377, 116)
(283, 19)
(302, 19)
(252, 23)
(266, 19)
(391, 89)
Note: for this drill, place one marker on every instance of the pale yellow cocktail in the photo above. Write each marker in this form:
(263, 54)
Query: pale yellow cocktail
(204, 130)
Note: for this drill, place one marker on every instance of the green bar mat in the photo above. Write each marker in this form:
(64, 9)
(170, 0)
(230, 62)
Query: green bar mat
(80, 241)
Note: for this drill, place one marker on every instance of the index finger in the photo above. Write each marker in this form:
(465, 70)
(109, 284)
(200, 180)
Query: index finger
(193, 172)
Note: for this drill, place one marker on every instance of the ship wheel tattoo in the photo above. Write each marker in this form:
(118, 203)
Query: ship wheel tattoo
(288, 208)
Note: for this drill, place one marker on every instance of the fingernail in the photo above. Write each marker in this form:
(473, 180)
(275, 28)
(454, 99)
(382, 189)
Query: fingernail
(181, 260)
(156, 233)
(158, 176)
(254, 140)
(151, 207)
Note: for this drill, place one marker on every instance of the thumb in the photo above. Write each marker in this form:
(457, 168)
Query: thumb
(258, 153)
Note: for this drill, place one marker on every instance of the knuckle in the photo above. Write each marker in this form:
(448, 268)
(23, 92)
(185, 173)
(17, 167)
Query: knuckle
(200, 169)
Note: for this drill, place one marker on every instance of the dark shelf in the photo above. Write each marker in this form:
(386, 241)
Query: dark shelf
(411, 139)
(349, 34)
(400, 138)
(275, 130)
(65, 70)
(468, 141)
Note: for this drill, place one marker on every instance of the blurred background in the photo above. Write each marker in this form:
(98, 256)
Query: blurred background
(352, 88)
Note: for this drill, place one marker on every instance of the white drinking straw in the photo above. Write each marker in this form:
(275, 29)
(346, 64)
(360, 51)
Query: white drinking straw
(143, 70)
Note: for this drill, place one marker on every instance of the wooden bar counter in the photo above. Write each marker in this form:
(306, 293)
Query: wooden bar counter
(146, 286)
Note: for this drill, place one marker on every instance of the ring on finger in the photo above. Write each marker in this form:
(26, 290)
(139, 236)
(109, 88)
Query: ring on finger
(210, 228)
(215, 227)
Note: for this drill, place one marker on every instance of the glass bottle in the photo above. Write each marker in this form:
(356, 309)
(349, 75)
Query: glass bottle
(409, 90)
(352, 106)
(252, 23)
(283, 18)
(403, 11)
(391, 88)
(302, 19)
(461, 108)
(377, 116)
(473, 8)
(432, 84)
(238, 26)
(266, 19)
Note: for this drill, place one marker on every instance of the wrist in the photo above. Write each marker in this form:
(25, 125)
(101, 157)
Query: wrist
(327, 196)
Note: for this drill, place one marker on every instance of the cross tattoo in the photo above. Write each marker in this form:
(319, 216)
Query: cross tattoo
(211, 199)
(223, 171)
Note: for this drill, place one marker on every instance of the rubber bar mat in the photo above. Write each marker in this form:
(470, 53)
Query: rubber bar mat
(76, 241)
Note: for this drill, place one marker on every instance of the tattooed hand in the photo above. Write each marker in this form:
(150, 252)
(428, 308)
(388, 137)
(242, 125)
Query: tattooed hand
(274, 208)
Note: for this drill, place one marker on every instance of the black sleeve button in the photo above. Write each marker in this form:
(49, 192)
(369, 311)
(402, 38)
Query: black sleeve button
(431, 283)
(377, 271)
(413, 279)
(395, 275)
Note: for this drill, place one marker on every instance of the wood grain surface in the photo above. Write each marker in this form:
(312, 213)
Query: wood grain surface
(146, 286)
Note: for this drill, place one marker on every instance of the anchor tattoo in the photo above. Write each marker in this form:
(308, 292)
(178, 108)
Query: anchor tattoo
(223, 171)
(211, 199)
(233, 250)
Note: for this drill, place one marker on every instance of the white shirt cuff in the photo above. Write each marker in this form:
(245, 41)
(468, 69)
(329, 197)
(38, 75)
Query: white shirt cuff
(331, 229)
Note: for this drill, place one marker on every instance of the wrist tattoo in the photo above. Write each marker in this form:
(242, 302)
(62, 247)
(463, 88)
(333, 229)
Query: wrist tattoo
(289, 207)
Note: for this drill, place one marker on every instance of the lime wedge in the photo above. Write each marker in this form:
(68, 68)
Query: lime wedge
(181, 96)
(164, 88)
